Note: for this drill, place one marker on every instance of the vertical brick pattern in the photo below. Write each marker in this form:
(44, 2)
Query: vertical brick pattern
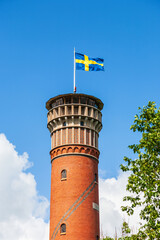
(63, 136)
(54, 137)
(70, 135)
(75, 135)
(82, 135)
(92, 137)
(83, 224)
(96, 140)
(87, 136)
(58, 137)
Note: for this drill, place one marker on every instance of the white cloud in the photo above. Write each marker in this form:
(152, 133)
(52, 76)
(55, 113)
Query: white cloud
(22, 210)
(112, 192)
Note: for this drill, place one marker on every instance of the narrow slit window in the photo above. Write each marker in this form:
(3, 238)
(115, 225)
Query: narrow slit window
(64, 174)
(95, 177)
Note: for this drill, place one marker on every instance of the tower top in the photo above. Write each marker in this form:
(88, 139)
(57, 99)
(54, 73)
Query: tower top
(74, 98)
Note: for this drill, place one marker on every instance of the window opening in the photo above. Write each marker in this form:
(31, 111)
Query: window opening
(82, 123)
(96, 105)
(69, 109)
(82, 110)
(75, 100)
(91, 102)
(76, 110)
(62, 110)
(64, 174)
(59, 101)
(63, 228)
(68, 100)
(83, 100)
(53, 104)
(89, 112)
(64, 124)
(95, 177)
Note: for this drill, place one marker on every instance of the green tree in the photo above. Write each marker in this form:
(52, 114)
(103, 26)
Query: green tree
(144, 181)
(125, 229)
(108, 238)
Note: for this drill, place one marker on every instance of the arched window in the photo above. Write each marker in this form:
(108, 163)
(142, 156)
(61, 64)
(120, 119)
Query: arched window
(63, 228)
(63, 174)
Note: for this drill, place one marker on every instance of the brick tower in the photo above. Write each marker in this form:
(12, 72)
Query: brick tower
(74, 121)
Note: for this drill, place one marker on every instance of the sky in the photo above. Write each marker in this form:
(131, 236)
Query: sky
(37, 39)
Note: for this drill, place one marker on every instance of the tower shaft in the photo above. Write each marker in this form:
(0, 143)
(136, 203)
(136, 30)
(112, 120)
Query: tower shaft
(74, 121)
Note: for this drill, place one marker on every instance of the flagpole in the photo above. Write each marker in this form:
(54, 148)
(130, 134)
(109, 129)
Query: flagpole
(74, 87)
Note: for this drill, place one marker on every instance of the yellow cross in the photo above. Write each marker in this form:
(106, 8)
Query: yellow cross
(86, 62)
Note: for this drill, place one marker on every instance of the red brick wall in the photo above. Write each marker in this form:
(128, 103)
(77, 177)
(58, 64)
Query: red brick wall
(83, 224)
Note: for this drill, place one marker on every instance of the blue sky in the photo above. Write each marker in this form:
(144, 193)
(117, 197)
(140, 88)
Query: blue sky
(37, 39)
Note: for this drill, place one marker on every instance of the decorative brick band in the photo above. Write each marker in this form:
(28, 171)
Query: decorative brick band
(74, 149)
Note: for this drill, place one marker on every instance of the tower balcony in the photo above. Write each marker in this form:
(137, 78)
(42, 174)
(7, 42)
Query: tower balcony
(74, 119)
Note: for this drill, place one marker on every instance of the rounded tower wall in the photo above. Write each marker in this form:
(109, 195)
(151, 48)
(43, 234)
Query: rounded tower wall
(74, 122)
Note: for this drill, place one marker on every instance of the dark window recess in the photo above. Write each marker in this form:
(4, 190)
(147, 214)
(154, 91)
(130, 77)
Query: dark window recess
(82, 110)
(89, 112)
(54, 105)
(95, 177)
(63, 228)
(96, 105)
(62, 110)
(83, 100)
(69, 110)
(82, 123)
(68, 100)
(75, 110)
(75, 100)
(63, 174)
(59, 101)
(64, 124)
(56, 110)
(91, 102)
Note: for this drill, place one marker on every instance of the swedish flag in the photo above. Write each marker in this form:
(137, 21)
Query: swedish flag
(83, 62)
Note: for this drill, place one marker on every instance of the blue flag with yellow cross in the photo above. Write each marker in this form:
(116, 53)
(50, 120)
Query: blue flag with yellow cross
(86, 63)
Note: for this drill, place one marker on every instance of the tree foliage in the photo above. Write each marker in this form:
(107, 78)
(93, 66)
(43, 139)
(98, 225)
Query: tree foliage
(108, 238)
(144, 181)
